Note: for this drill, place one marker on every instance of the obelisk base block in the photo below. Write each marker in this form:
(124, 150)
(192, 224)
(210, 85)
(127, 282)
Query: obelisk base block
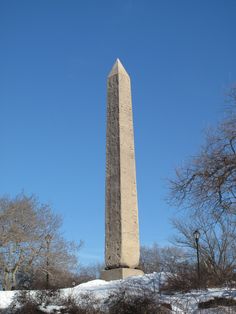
(120, 273)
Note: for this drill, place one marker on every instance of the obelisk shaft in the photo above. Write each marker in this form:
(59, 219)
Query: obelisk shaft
(122, 229)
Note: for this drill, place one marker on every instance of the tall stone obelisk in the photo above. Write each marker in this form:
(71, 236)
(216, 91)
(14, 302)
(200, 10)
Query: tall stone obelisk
(122, 228)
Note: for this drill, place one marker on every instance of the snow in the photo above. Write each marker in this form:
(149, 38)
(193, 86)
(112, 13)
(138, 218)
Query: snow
(6, 298)
(101, 290)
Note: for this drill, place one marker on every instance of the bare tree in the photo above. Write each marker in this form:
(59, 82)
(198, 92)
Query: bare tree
(150, 260)
(56, 266)
(208, 181)
(156, 259)
(217, 244)
(172, 257)
(89, 272)
(24, 223)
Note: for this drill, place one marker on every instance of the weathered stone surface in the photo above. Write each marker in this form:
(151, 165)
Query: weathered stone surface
(120, 273)
(122, 229)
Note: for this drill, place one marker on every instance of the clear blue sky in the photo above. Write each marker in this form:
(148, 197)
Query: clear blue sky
(54, 60)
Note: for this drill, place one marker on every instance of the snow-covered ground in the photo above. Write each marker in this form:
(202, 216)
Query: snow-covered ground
(101, 290)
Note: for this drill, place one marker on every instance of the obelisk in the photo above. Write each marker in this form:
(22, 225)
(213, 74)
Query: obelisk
(122, 247)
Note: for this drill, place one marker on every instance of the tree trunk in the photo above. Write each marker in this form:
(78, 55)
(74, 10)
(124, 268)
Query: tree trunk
(7, 283)
(14, 280)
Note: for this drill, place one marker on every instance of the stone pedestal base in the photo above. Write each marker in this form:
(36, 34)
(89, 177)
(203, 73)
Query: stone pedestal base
(120, 273)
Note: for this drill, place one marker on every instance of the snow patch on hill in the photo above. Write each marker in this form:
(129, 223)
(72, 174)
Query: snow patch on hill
(151, 283)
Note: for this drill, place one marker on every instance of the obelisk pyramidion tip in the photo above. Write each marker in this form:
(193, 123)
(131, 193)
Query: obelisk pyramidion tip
(118, 68)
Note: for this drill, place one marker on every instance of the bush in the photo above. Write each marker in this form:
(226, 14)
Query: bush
(34, 302)
(88, 305)
(26, 302)
(123, 302)
(29, 308)
(120, 302)
(217, 302)
(23, 303)
(184, 280)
